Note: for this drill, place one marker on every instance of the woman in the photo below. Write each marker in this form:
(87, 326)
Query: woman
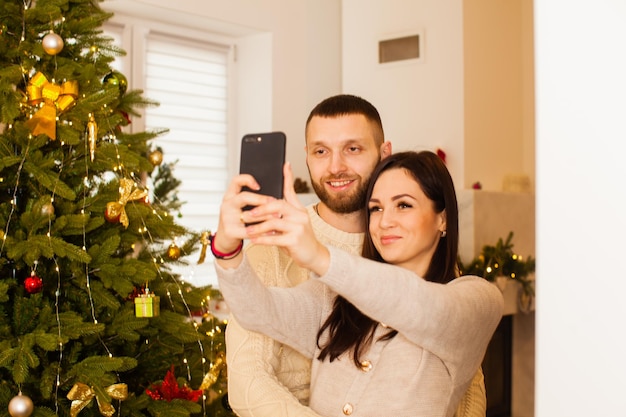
(398, 334)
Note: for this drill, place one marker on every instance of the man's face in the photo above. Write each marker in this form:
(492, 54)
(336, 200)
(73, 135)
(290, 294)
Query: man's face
(341, 154)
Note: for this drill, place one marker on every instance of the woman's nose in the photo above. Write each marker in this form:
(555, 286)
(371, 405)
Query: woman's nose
(387, 219)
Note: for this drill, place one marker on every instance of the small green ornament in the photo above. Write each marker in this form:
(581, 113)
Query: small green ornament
(118, 79)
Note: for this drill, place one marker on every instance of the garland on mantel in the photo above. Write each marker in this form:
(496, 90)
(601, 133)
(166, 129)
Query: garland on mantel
(500, 260)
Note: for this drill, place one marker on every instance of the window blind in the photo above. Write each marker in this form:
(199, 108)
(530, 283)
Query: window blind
(189, 80)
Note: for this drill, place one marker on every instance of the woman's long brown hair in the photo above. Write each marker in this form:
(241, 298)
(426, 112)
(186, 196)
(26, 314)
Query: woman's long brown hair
(348, 328)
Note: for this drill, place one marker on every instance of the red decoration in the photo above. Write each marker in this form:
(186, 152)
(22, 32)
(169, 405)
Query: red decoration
(126, 117)
(136, 293)
(441, 154)
(169, 389)
(33, 284)
(112, 216)
(477, 186)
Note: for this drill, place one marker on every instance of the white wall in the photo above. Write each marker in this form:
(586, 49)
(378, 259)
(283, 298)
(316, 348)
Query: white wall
(421, 103)
(581, 225)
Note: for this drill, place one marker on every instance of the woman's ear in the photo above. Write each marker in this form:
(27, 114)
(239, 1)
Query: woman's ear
(443, 226)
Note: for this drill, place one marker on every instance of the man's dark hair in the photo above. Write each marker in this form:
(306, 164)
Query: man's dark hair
(343, 104)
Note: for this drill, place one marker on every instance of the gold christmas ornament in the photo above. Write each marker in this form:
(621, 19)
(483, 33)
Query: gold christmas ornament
(47, 209)
(117, 209)
(92, 136)
(50, 98)
(21, 406)
(52, 43)
(173, 252)
(155, 157)
(81, 395)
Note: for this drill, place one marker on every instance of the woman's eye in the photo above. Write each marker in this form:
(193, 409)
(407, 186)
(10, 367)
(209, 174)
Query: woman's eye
(404, 205)
(373, 209)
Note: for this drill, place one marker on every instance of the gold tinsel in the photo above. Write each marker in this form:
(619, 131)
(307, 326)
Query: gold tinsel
(204, 239)
(211, 377)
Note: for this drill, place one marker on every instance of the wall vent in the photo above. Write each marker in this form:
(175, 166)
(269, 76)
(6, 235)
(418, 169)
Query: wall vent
(399, 49)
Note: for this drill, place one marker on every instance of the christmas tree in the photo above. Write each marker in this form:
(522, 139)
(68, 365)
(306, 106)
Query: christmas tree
(92, 319)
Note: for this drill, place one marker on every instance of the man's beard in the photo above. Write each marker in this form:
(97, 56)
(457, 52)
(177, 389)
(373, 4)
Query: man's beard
(342, 203)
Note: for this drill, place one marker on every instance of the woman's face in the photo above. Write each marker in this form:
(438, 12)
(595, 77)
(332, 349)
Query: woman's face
(404, 226)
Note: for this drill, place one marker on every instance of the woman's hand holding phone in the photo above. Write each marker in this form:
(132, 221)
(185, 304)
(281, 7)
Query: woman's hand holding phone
(285, 223)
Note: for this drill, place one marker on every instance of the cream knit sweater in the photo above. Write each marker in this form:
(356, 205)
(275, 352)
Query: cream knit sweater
(268, 379)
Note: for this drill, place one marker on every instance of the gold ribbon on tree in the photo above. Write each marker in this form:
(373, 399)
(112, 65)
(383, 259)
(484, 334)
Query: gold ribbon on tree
(54, 98)
(211, 377)
(117, 208)
(204, 239)
(81, 395)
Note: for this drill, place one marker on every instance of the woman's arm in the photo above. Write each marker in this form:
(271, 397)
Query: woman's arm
(289, 315)
(435, 316)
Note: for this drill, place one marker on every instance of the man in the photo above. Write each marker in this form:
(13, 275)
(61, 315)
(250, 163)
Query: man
(344, 142)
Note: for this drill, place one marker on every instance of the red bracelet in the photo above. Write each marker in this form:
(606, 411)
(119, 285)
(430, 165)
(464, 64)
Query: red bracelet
(225, 256)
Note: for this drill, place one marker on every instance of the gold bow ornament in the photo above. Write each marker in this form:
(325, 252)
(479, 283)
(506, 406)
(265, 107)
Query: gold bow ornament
(50, 98)
(116, 209)
(81, 395)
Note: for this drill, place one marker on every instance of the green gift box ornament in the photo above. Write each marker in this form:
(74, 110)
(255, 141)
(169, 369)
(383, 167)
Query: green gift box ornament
(147, 305)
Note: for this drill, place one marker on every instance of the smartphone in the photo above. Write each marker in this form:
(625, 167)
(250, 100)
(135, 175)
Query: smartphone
(263, 157)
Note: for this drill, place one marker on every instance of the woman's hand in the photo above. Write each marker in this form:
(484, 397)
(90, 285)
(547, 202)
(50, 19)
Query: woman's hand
(286, 223)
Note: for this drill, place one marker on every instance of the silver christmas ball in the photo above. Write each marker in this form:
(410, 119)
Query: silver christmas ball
(52, 43)
(21, 406)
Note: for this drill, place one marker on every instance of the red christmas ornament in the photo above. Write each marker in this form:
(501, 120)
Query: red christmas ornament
(112, 216)
(33, 284)
(169, 389)
(477, 186)
(441, 154)
(136, 293)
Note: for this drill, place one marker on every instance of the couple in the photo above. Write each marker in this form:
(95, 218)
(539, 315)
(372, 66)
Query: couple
(384, 339)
